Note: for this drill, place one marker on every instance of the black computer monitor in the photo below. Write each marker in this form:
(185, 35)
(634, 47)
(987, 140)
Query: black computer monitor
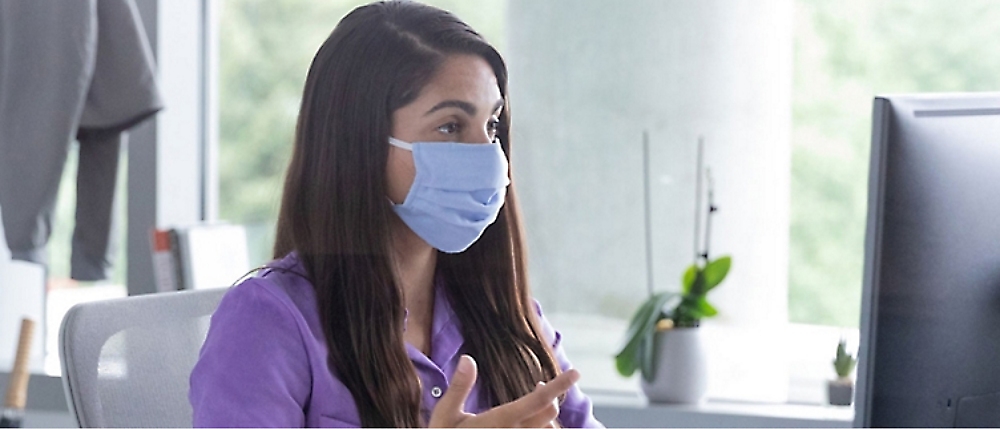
(930, 324)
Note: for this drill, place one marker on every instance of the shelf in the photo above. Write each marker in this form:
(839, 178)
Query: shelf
(616, 409)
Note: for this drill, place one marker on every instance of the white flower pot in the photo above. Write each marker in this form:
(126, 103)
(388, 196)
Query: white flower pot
(840, 391)
(681, 370)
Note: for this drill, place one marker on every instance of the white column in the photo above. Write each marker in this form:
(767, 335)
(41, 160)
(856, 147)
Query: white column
(165, 172)
(587, 77)
(179, 126)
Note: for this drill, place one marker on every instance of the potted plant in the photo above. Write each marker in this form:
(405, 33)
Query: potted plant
(841, 390)
(663, 340)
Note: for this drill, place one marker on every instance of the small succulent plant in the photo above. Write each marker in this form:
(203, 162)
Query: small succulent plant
(844, 362)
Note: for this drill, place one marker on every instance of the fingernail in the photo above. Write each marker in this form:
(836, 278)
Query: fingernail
(464, 365)
(574, 375)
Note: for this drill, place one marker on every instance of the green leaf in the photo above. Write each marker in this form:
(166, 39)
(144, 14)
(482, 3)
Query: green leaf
(694, 312)
(716, 271)
(693, 308)
(638, 320)
(648, 355)
(688, 280)
(625, 361)
(643, 322)
(705, 308)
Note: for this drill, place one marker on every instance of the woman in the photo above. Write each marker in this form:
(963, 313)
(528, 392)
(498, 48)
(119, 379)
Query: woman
(398, 297)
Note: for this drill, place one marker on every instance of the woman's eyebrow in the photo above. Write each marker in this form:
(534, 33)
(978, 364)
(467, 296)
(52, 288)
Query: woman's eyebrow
(466, 107)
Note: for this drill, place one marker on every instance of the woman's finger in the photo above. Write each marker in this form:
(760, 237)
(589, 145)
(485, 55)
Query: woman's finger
(543, 418)
(451, 406)
(543, 395)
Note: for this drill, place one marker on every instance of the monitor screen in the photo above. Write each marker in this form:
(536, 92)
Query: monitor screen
(930, 325)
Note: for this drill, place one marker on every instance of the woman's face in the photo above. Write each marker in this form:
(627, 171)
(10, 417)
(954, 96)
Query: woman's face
(461, 103)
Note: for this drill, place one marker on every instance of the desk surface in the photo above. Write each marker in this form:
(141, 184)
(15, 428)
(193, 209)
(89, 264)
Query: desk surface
(615, 409)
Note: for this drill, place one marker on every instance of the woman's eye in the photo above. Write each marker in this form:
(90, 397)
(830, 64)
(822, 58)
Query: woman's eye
(492, 128)
(449, 128)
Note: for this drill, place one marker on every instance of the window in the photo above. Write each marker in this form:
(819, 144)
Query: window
(64, 221)
(845, 53)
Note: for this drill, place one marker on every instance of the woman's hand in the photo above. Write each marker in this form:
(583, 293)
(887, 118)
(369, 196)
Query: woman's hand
(537, 409)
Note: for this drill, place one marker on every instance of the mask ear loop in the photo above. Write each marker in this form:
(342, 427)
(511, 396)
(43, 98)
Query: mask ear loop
(401, 144)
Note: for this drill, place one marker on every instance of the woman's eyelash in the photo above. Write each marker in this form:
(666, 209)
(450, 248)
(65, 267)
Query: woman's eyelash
(449, 128)
(454, 127)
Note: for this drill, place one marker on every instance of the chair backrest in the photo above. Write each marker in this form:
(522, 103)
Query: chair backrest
(126, 362)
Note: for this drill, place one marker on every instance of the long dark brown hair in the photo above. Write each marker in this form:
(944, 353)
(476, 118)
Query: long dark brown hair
(335, 215)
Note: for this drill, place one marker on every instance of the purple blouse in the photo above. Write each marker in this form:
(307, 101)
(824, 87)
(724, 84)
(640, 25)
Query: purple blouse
(264, 362)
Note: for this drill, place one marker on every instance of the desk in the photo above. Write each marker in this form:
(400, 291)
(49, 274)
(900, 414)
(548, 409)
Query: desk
(47, 408)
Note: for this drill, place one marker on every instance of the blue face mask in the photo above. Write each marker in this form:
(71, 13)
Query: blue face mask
(457, 192)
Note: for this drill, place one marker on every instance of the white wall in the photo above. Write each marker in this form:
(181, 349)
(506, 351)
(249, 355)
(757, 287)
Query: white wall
(22, 294)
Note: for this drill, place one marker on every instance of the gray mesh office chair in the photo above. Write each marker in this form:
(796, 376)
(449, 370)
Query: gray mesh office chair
(126, 362)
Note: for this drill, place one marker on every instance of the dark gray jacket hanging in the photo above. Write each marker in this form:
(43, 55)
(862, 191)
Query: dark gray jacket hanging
(80, 69)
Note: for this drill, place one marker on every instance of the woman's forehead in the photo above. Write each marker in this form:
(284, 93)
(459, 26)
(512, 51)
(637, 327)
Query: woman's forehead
(467, 78)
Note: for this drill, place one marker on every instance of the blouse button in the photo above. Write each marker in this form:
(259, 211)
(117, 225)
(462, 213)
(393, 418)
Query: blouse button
(436, 392)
